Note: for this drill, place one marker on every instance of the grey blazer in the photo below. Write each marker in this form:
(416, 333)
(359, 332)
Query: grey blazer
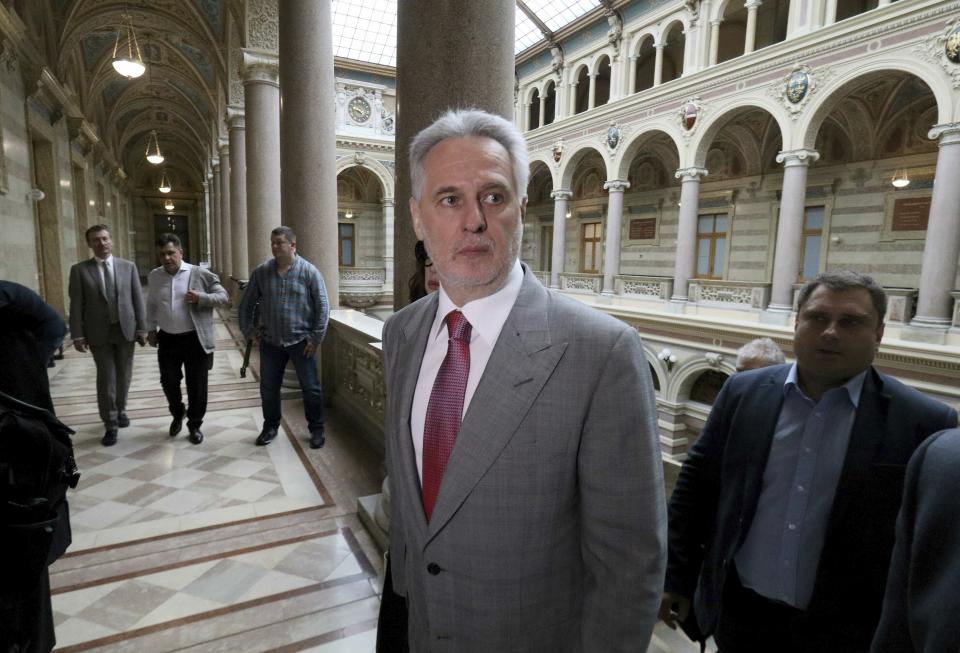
(203, 282)
(549, 532)
(89, 314)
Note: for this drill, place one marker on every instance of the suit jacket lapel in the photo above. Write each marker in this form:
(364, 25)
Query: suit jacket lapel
(520, 364)
(763, 414)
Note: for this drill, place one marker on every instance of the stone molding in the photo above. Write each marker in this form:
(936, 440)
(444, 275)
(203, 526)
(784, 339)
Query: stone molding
(799, 157)
(947, 133)
(236, 118)
(260, 68)
(693, 173)
(561, 194)
(616, 185)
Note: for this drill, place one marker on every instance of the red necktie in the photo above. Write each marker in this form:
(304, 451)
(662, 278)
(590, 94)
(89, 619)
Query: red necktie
(445, 409)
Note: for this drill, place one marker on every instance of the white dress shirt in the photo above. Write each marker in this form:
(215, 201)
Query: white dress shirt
(109, 262)
(486, 317)
(173, 314)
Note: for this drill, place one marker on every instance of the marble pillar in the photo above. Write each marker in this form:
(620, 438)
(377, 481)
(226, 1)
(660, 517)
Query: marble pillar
(542, 102)
(388, 228)
(686, 262)
(592, 93)
(938, 272)
(658, 64)
(216, 242)
(611, 248)
(308, 136)
(714, 41)
(238, 192)
(261, 100)
(560, 198)
(207, 220)
(470, 41)
(786, 254)
(632, 82)
(750, 38)
(226, 222)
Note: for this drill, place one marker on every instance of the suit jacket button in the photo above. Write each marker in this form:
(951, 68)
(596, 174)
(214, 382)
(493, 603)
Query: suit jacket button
(433, 569)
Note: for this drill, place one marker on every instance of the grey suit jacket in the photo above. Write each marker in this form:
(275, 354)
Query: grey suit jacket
(549, 529)
(203, 282)
(89, 314)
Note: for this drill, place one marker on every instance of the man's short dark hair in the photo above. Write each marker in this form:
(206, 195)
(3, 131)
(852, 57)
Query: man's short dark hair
(841, 280)
(169, 239)
(286, 232)
(94, 229)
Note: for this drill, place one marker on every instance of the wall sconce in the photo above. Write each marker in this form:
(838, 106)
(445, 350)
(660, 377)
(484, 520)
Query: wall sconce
(900, 178)
(348, 214)
(36, 195)
(569, 214)
(668, 358)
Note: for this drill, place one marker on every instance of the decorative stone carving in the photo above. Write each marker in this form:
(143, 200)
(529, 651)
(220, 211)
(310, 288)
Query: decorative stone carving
(260, 68)
(693, 8)
(943, 50)
(693, 172)
(689, 115)
(614, 136)
(614, 31)
(263, 25)
(796, 88)
(236, 83)
(556, 60)
(714, 359)
(641, 288)
(558, 151)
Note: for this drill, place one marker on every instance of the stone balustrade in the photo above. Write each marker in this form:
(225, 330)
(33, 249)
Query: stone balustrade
(648, 287)
(729, 294)
(361, 288)
(581, 282)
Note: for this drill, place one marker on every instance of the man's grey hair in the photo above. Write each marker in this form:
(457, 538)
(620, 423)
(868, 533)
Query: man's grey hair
(286, 232)
(760, 352)
(841, 280)
(462, 123)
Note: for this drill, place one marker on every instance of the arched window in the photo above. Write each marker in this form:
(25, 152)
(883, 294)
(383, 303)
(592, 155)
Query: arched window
(707, 386)
(656, 379)
(674, 41)
(583, 90)
(602, 88)
(646, 64)
(534, 109)
(550, 97)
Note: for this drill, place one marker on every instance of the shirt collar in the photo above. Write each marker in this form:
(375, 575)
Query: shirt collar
(854, 386)
(108, 260)
(485, 315)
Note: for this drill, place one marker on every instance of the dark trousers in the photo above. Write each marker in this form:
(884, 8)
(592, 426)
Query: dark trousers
(273, 360)
(114, 369)
(177, 352)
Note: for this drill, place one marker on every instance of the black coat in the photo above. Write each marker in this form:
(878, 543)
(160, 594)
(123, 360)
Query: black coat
(716, 496)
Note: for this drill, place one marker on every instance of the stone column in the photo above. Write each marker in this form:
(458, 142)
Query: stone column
(592, 94)
(658, 63)
(830, 13)
(611, 254)
(687, 230)
(542, 101)
(572, 106)
(632, 82)
(470, 41)
(942, 246)
(207, 220)
(715, 40)
(261, 99)
(786, 255)
(388, 233)
(238, 192)
(750, 38)
(560, 197)
(308, 136)
(524, 121)
(216, 241)
(226, 222)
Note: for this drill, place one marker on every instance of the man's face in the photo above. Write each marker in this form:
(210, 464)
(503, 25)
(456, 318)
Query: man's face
(282, 249)
(170, 257)
(836, 336)
(100, 243)
(469, 216)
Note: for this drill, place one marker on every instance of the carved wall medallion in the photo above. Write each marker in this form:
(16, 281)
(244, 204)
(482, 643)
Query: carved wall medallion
(613, 136)
(797, 85)
(688, 114)
(952, 45)
(795, 89)
(557, 151)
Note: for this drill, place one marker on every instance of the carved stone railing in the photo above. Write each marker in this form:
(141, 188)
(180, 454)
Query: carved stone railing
(901, 305)
(632, 285)
(739, 294)
(361, 287)
(579, 282)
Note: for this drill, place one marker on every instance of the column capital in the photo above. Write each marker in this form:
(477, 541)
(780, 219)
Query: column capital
(387, 201)
(716, 22)
(947, 133)
(752, 4)
(260, 68)
(561, 194)
(693, 173)
(660, 45)
(801, 157)
(216, 167)
(236, 118)
(616, 185)
(224, 151)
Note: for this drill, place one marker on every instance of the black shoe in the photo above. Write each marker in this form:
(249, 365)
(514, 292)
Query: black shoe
(109, 438)
(176, 426)
(123, 421)
(266, 436)
(195, 437)
(317, 440)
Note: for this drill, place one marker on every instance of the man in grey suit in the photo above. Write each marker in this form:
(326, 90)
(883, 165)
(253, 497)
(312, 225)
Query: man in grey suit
(180, 302)
(527, 492)
(107, 315)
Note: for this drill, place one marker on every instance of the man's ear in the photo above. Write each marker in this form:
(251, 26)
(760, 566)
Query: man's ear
(415, 217)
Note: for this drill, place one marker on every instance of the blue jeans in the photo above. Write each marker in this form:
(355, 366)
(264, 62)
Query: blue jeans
(273, 360)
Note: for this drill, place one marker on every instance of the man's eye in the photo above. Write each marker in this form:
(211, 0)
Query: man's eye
(493, 198)
(449, 200)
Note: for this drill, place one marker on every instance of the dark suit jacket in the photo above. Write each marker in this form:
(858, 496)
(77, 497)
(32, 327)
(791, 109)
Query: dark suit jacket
(89, 313)
(923, 600)
(716, 495)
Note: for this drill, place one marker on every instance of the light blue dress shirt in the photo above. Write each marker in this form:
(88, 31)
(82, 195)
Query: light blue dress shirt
(780, 554)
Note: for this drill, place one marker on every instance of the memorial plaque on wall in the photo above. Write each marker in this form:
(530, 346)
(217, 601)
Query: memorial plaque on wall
(910, 214)
(643, 229)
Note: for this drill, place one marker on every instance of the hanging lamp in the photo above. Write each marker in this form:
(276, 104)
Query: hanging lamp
(900, 178)
(168, 205)
(164, 184)
(153, 149)
(127, 59)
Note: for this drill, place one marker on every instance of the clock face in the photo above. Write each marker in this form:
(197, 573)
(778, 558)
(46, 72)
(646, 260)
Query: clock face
(359, 109)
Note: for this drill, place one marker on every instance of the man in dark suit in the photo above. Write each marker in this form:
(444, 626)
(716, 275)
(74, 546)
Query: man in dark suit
(782, 520)
(922, 601)
(107, 315)
(527, 507)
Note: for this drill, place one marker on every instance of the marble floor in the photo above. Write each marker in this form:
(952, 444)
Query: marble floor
(223, 546)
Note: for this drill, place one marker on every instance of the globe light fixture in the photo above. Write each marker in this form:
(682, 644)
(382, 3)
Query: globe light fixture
(153, 149)
(164, 184)
(127, 59)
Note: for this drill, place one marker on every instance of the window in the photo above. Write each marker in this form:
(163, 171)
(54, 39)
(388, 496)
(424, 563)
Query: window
(711, 245)
(810, 242)
(546, 247)
(347, 246)
(707, 386)
(590, 236)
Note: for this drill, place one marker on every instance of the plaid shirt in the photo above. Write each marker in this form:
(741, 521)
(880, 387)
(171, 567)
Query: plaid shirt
(291, 308)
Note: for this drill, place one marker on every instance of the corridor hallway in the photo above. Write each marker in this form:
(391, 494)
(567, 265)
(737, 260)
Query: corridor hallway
(224, 546)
